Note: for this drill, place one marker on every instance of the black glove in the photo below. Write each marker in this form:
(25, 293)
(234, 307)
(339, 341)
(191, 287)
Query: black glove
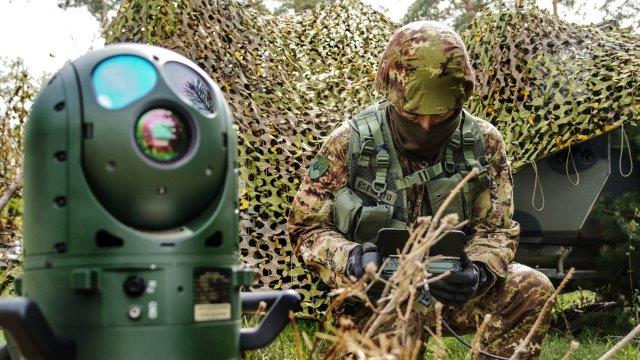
(460, 286)
(361, 256)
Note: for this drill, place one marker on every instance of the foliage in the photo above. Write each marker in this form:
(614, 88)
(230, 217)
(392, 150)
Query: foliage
(100, 9)
(296, 5)
(257, 5)
(555, 345)
(620, 217)
(457, 13)
(17, 92)
(623, 12)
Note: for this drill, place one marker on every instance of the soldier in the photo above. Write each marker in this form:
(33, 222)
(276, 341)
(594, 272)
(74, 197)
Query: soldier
(399, 159)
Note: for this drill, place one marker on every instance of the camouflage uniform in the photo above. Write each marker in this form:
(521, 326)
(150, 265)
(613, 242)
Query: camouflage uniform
(518, 293)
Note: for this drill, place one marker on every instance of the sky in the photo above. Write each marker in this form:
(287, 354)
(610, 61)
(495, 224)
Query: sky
(52, 35)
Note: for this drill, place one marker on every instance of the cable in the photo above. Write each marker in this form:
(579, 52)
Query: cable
(623, 138)
(537, 184)
(491, 356)
(575, 169)
(450, 330)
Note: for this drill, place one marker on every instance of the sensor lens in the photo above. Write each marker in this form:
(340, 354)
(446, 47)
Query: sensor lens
(161, 135)
(190, 87)
(120, 80)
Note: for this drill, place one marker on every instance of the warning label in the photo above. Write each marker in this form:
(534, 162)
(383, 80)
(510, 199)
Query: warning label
(212, 312)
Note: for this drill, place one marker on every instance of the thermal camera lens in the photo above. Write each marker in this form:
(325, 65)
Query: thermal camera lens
(120, 80)
(189, 86)
(161, 135)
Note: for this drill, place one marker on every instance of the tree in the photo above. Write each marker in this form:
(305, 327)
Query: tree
(17, 92)
(457, 13)
(102, 10)
(625, 13)
(296, 5)
(257, 5)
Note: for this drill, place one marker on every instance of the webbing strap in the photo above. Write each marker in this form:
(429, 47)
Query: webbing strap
(382, 158)
(374, 126)
(452, 146)
(366, 141)
(483, 178)
(420, 177)
(468, 143)
(382, 166)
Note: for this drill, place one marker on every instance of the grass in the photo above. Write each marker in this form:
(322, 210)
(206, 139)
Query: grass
(592, 346)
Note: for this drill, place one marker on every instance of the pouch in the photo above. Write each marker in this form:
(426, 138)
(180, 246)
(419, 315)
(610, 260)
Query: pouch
(371, 220)
(346, 207)
(439, 189)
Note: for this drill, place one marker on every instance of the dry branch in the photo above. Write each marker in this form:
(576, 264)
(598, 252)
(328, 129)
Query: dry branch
(635, 332)
(13, 187)
(545, 309)
(391, 322)
(475, 349)
(572, 348)
(296, 335)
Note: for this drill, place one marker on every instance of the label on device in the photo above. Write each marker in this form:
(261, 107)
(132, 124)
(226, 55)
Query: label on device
(211, 294)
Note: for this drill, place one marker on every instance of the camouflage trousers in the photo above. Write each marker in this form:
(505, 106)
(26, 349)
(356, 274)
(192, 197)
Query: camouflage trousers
(514, 303)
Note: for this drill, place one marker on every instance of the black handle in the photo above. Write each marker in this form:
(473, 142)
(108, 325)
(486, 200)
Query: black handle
(275, 320)
(23, 320)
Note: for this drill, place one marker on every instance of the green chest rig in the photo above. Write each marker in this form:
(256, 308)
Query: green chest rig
(376, 196)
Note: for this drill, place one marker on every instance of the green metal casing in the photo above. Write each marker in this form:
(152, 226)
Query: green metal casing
(84, 230)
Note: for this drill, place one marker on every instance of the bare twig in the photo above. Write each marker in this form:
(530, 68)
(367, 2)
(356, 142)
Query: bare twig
(475, 349)
(14, 186)
(416, 349)
(609, 354)
(296, 335)
(572, 348)
(440, 350)
(545, 309)
(391, 322)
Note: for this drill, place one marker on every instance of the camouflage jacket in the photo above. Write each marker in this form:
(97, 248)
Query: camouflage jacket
(325, 250)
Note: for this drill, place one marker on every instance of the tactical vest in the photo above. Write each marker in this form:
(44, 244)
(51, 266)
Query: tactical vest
(376, 197)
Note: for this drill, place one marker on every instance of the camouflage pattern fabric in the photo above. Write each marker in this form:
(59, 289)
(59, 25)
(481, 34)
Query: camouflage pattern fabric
(291, 80)
(425, 69)
(322, 248)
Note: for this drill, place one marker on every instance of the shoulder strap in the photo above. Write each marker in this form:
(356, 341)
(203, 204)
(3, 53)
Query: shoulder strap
(372, 141)
(420, 176)
(469, 141)
(367, 144)
(470, 135)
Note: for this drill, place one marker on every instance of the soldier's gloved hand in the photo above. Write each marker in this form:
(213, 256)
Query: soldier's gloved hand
(460, 286)
(361, 256)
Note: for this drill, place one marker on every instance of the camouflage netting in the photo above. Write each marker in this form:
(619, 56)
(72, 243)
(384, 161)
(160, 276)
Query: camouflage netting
(546, 84)
(290, 80)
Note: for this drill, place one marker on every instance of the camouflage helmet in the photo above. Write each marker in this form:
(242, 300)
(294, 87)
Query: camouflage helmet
(425, 69)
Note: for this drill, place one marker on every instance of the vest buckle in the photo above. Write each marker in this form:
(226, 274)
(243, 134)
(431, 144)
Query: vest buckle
(468, 140)
(379, 187)
(367, 146)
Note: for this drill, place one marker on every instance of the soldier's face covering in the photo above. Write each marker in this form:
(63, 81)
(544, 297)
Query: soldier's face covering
(419, 142)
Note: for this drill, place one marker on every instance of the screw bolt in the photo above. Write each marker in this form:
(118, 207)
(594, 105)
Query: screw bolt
(134, 312)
